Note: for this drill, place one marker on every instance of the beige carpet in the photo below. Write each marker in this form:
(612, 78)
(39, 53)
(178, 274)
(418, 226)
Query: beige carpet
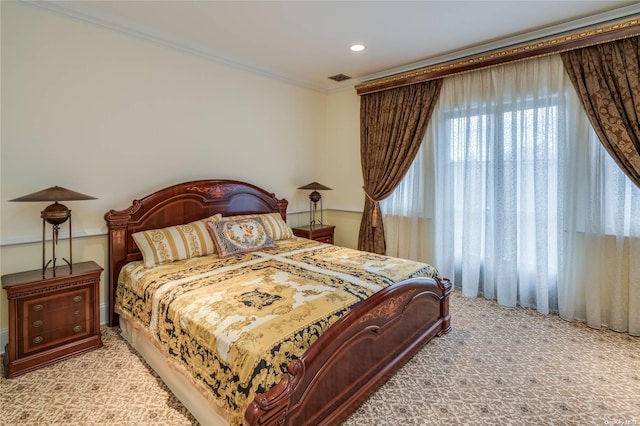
(497, 366)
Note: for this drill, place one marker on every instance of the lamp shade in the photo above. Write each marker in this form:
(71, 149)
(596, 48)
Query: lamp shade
(315, 186)
(55, 214)
(55, 193)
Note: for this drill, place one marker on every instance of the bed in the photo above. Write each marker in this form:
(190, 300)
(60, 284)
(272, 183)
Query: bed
(349, 351)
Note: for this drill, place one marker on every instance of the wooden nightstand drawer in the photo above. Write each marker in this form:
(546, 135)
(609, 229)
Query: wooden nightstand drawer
(51, 318)
(39, 340)
(50, 306)
(42, 305)
(325, 239)
(320, 233)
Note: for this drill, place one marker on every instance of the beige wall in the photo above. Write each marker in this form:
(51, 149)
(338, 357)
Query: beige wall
(340, 169)
(116, 117)
(347, 225)
(339, 153)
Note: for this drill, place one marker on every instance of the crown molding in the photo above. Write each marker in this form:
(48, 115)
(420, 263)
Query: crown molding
(75, 10)
(576, 34)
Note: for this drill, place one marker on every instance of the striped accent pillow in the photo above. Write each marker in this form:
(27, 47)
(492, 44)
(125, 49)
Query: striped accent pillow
(178, 242)
(273, 223)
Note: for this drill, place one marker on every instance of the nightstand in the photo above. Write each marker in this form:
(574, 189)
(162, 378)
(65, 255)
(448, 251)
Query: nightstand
(321, 233)
(51, 318)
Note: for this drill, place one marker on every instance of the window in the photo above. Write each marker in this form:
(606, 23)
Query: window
(522, 194)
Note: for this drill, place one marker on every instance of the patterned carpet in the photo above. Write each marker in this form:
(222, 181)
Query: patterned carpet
(497, 366)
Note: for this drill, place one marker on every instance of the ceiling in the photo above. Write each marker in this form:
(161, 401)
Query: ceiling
(305, 42)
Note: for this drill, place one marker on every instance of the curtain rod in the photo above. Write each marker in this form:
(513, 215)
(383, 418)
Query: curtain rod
(575, 39)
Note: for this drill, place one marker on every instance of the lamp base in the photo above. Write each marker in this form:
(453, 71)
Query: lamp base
(55, 214)
(313, 211)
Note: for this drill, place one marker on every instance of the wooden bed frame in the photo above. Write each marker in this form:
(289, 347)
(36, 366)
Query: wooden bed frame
(352, 359)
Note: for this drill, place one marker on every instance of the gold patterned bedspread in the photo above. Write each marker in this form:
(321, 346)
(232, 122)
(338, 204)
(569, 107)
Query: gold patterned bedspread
(235, 323)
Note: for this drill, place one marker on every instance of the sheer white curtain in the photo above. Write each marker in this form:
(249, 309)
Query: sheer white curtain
(601, 280)
(408, 212)
(528, 208)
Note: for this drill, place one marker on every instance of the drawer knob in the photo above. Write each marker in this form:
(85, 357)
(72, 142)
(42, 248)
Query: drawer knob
(38, 307)
(38, 339)
(76, 313)
(77, 299)
(37, 323)
(77, 328)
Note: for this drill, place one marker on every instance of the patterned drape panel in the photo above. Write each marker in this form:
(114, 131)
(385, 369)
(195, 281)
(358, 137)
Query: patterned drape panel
(392, 125)
(607, 79)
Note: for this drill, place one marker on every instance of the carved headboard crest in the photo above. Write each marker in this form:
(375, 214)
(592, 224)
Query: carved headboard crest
(217, 191)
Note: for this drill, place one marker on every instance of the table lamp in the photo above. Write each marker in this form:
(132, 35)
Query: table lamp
(55, 214)
(314, 198)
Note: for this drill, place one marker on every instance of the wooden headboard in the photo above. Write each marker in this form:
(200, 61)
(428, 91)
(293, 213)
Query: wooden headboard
(175, 205)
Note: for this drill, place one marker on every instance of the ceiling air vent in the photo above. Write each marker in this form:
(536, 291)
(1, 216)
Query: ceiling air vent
(339, 77)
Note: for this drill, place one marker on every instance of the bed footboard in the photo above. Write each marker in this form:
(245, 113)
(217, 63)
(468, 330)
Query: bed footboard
(356, 355)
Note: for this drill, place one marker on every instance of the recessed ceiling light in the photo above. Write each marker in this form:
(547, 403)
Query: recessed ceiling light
(357, 47)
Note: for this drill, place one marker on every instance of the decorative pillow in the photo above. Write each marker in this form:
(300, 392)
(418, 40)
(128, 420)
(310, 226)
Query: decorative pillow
(178, 242)
(273, 223)
(239, 236)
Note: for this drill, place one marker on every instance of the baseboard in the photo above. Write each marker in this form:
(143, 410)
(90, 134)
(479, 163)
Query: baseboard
(4, 332)
(4, 339)
(104, 313)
